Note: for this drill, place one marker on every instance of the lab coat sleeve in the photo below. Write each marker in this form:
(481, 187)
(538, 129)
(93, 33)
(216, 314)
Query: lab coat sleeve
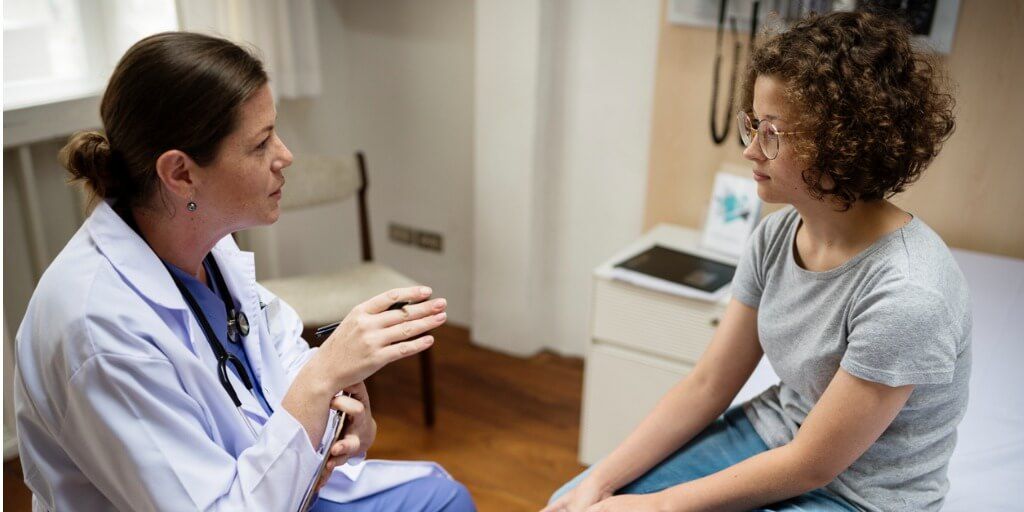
(144, 442)
(285, 329)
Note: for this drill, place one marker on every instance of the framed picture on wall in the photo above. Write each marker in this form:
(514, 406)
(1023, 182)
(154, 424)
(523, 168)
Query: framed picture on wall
(732, 213)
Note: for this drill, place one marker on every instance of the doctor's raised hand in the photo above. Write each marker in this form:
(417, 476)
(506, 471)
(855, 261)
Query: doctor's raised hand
(370, 337)
(154, 372)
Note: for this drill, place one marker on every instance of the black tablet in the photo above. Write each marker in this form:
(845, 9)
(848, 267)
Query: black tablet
(681, 268)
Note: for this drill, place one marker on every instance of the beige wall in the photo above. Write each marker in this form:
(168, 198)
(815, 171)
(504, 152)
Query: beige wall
(972, 195)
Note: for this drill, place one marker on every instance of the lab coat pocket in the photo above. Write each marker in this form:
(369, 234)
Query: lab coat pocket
(271, 312)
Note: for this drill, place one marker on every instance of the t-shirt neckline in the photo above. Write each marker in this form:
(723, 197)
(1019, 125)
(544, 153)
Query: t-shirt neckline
(850, 263)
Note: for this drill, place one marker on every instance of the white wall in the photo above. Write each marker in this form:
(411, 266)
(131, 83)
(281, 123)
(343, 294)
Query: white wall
(561, 162)
(609, 58)
(397, 84)
(508, 205)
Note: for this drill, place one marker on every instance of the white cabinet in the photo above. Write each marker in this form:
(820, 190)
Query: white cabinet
(642, 342)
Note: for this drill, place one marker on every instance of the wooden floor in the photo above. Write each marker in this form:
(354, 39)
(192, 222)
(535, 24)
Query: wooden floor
(506, 427)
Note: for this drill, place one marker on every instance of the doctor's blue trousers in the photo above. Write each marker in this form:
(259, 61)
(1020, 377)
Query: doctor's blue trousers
(427, 494)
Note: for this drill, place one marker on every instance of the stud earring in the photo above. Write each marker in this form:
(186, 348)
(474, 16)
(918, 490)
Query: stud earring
(191, 205)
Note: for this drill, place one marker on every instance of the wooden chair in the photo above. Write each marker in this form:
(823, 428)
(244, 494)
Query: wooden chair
(321, 299)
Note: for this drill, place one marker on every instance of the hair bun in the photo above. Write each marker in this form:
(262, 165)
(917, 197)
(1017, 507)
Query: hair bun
(87, 156)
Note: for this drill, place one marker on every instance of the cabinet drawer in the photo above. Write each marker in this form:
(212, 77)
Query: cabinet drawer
(620, 387)
(654, 322)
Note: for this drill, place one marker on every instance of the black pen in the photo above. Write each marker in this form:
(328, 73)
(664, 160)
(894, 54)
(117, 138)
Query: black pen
(325, 331)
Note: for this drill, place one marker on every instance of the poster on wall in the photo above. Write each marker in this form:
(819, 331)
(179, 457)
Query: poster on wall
(733, 212)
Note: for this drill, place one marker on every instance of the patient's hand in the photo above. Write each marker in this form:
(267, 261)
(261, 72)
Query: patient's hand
(359, 435)
(630, 503)
(579, 499)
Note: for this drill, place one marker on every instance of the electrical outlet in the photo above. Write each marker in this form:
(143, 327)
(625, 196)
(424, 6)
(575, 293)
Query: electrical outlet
(405, 235)
(401, 234)
(429, 241)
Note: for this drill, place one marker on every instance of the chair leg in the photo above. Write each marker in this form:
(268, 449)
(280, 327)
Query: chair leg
(427, 385)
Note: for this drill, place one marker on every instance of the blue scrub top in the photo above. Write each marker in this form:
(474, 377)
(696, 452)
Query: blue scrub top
(212, 306)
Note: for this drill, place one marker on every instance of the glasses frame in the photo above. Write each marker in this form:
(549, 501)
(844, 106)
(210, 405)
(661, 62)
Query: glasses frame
(748, 132)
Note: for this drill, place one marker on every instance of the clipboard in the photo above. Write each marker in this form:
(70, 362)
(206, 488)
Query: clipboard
(336, 426)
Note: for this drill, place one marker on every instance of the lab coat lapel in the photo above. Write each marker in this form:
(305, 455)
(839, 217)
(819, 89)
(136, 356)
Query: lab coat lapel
(133, 259)
(239, 269)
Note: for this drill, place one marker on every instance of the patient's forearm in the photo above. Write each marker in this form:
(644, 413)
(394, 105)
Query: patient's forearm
(767, 477)
(680, 415)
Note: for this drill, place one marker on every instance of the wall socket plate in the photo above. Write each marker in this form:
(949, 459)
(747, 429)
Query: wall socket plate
(406, 235)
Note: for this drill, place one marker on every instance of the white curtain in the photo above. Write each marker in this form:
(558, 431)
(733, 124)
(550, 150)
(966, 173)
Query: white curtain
(283, 32)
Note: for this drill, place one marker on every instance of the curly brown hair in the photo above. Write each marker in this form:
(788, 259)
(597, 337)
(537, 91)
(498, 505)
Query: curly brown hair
(876, 111)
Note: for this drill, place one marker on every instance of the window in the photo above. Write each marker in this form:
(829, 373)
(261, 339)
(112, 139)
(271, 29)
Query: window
(57, 50)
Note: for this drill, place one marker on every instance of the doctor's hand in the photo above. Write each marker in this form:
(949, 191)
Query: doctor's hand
(368, 338)
(362, 429)
(359, 434)
(371, 336)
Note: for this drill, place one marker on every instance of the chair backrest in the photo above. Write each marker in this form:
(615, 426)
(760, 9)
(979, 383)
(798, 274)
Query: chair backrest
(317, 179)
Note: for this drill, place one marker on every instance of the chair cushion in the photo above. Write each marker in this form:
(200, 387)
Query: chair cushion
(321, 299)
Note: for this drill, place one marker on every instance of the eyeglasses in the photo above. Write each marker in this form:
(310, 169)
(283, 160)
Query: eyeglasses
(766, 132)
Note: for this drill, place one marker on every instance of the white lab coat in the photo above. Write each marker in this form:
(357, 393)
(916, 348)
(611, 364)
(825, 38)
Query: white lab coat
(118, 404)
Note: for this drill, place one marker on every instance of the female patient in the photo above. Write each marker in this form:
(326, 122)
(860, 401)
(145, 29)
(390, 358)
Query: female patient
(154, 373)
(858, 305)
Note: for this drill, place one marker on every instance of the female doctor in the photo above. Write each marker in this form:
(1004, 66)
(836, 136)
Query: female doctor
(154, 373)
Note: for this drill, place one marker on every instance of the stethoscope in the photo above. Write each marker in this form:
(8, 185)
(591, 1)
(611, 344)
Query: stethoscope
(238, 327)
(717, 137)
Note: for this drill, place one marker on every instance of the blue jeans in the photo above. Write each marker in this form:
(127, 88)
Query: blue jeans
(427, 494)
(726, 442)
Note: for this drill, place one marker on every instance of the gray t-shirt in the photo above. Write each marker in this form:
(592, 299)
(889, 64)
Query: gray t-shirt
(898, 313)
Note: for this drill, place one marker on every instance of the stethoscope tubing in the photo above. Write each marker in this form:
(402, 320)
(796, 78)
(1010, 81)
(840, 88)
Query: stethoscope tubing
(222, 355)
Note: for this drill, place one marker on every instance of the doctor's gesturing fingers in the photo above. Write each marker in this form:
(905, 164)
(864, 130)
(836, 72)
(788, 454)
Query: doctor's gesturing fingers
(367, 339)
(371, 337)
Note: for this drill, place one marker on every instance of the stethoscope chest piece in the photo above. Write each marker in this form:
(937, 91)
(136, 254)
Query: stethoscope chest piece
(238, 326)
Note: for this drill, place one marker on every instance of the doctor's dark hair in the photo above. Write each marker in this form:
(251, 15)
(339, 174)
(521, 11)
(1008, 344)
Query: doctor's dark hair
(174, 90)
(876, 112)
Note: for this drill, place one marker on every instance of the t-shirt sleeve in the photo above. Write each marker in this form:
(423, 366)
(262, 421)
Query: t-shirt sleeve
(748, 282)
(901, 334)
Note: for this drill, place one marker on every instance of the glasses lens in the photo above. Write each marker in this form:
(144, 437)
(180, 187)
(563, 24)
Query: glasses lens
(746, 129)
(769, 139)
